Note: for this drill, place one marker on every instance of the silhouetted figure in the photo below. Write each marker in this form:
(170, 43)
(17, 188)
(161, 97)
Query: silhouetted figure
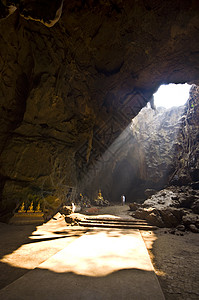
(123, 199)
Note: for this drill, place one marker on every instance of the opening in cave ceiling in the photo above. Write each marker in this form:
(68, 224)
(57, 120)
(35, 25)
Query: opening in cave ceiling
(172, 95)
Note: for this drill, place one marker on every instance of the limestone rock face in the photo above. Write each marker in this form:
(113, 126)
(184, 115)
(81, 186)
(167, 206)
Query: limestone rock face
(156, 134)
(68, 91)
(187, 156)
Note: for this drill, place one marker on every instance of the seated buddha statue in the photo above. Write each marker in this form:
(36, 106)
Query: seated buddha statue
(22, 208)
(30, 208)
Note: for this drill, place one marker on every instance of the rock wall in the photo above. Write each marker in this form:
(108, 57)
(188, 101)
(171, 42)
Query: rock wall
(187, 154)
(156, 132)
(43, 115)
(63, 87)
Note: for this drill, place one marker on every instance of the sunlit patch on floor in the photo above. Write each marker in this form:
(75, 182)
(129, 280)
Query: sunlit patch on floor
(101, 253)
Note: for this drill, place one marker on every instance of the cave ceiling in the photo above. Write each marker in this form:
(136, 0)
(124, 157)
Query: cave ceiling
(76, 72)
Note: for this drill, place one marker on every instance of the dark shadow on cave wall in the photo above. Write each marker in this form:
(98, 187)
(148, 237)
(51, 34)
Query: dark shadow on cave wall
(127, 176)
(125, 181)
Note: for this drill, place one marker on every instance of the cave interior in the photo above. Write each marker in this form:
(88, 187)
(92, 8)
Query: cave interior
(79, 128)
(74, 77)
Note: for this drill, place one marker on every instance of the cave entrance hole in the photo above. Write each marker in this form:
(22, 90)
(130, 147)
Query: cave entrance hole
(169, 95)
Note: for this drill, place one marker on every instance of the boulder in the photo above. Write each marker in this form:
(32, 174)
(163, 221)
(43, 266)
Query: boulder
(150, 192)
(195, 207)
(149, 214)
(181, 227)
(66, 210)
(169, 218)
(162, 199)
(193, 228)
(71, 220)
(134, 206)
(190, 218)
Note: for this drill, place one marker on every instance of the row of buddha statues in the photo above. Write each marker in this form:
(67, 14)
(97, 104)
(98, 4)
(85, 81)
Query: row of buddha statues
(30, 208)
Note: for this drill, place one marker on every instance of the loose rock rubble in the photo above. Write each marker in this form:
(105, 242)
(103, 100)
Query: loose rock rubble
(173, 207)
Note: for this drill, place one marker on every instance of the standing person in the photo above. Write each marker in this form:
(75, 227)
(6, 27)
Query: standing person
(123, 198)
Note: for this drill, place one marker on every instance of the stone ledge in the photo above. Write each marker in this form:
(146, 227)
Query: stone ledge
(27, 218)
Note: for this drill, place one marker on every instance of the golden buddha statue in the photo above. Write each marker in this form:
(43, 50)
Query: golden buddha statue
(22, 208)
(30, 208)
(38, 208)
(100, 200)
(100, 195)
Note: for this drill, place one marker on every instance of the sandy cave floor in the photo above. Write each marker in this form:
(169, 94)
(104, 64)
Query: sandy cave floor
(175, 257)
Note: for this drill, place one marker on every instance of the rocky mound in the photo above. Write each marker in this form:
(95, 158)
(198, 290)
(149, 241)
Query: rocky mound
(171, 207)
